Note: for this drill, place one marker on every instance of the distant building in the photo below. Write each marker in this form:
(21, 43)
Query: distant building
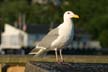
(14, 38)
(37, 32)
(82, 40)
(16, 41)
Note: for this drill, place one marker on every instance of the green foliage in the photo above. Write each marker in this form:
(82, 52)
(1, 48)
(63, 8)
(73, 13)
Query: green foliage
(93, 13)
(10, 10)
(98, 28)
(96, 25)
(104, 38)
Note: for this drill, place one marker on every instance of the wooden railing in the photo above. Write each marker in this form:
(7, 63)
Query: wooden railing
(67, 58)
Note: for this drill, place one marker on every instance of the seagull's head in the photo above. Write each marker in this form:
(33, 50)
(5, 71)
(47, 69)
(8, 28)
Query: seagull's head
(70, 14)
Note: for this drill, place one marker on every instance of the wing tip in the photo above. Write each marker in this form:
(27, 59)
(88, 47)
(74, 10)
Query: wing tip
(32, 53)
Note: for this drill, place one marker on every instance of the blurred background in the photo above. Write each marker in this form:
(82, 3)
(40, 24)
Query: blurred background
(24, 22)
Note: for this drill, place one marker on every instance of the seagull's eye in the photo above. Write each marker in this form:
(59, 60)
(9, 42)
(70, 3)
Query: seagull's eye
(68, 13)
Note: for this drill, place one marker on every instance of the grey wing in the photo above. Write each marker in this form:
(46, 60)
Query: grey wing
(49, 38)
(45, 43)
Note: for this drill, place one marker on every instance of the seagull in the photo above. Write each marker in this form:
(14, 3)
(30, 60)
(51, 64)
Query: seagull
(58, 38)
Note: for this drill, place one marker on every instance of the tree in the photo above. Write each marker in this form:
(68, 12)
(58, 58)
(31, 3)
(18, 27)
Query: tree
(93, 13)
(10, 10)
(96, 25)
(104, 38)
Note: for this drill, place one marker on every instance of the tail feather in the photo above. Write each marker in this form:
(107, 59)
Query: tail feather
(38, 52)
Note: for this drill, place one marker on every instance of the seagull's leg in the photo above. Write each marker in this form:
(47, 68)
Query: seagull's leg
(56, 54)
(61, 56)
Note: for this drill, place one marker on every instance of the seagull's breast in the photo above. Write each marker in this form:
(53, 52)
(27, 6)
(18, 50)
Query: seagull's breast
(65, 33)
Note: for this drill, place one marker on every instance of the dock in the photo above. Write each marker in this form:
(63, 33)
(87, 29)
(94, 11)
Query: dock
(40, 63)
(67, 58)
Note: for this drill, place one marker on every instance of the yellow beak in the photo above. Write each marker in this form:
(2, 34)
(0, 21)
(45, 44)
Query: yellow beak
(75, 16)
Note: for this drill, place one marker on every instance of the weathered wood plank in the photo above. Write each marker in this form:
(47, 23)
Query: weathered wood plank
(65, 67)
(30, 67)
(67, 58)
(0, 67)
(48, 67)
